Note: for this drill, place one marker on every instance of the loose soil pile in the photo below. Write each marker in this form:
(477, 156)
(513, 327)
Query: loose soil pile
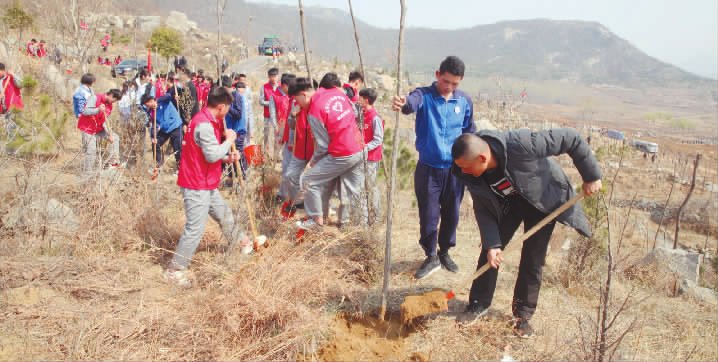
(416, 306)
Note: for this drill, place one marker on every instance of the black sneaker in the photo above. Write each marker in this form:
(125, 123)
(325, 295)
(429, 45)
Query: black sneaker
(430, 265)
(447, 263)
(472, 313)
(523, 329)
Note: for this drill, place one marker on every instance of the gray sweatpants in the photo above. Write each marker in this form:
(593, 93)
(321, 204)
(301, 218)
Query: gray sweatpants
(89, 148)
(319, 183)
(295, 167)
(269, 138)
(199, 204)
(286, 158)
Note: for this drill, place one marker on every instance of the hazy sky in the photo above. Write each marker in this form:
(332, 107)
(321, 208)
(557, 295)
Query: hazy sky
(683, 33)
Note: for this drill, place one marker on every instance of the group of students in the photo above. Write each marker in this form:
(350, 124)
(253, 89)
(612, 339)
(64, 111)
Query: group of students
(107, 62)
(317, 126)
(36, 49)
(510, 175)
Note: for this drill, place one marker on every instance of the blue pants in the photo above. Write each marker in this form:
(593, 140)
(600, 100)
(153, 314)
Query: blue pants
(439, 195)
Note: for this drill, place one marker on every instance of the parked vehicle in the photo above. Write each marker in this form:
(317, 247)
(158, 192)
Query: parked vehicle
(269, 44)
(645, 146)
(617, 135)
(127, 66)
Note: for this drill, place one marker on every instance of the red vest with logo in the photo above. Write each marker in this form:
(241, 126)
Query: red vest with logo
(303, 138)
(13, 97)
(282, 102)
(369, 115)
(268, 93)
(285, 134)
(195, 173)
(93, 124)
(336, 113)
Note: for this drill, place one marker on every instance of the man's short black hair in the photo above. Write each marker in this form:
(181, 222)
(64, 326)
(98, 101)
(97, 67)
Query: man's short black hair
(370, 95)
(146, 98)
(462, 145)
(2, 66)
(242, 75)
(115, 93)
(287, 77)
(300, 85)
(226, 81)
(219, 95)
(452, 65)
(241, 85)
(144, 73)
(272, 72)
(330, 80)
(356, 75)
(87, 79)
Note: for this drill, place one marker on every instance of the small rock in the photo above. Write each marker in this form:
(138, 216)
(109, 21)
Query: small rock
(692, 289)
(684, 263)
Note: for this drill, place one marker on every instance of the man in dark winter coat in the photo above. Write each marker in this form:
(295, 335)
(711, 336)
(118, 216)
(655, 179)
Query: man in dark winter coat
(512, 180)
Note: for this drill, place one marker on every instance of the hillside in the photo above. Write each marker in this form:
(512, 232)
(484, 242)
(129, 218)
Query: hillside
(538, 49)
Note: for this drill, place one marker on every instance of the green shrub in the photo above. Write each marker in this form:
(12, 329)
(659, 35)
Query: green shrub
(405, 162)
(38, 129)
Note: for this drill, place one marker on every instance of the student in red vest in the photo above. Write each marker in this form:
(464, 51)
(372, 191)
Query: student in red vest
(10, 98)
(373, 138)
(302, 90)
(199, 177)
(31, 48)
(41, 51)
(337, 154)
(266, 93)
(356, 81)
(280, 108)
(92, 122)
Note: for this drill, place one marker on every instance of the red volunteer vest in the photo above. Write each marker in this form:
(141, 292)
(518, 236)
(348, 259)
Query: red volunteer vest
(375, 154)
(336, 113)
(303, 138)
(285, 134)
(93, 124)
(282, 103)
(269, 92)
(195, 173)
(13, 97)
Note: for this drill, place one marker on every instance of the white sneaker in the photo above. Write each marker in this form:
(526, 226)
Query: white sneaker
(178, 277)
(308, 224)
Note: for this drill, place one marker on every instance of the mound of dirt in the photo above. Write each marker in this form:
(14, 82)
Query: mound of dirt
(416, 306)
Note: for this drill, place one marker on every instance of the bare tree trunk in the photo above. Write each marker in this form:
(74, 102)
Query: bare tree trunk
(367, 189)
(690, 192)
(392, 183)
(665, 206)
(356, 39)
(221, 4)
(304, 38)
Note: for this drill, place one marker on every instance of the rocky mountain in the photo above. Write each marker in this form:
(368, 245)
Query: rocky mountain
(540, 49)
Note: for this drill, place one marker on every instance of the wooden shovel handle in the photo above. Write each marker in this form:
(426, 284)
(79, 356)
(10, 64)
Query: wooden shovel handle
(534, 229)
(250, 210)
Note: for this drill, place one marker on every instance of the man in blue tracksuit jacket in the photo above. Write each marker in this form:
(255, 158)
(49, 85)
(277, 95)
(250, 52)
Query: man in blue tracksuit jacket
(169, 125)
(236, 120)
(443, 113)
